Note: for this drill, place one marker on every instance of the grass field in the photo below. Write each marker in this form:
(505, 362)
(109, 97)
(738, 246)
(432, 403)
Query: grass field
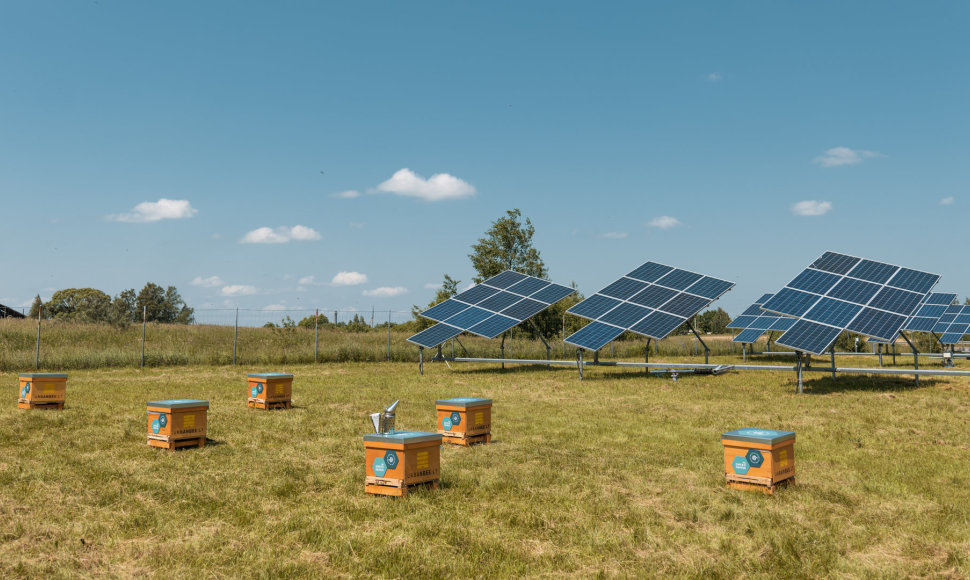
(617, 475)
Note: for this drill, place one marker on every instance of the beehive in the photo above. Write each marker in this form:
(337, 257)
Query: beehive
(465, 420)
(177, 423)
(399, 461)
(758, 459)
(270, 390)
(42, 391)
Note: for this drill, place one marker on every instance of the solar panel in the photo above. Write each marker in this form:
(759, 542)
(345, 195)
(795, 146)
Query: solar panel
(652, 300)
(839, 292)
(490, 308)
(929, 313)
(754, 322)
(956, 325)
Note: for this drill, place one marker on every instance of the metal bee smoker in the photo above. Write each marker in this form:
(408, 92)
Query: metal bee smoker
(384, 421)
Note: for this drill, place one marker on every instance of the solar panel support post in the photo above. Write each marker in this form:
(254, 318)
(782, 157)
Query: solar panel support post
(421, 360)
(879, 348)
(646, 356)
(596, 357)
(894, 354)
(463, 349)
(798, 370)
(767, 343)
(502, 349)
(707, 351)
(439, 356)
(833, 361)
(579, 362)
(915, 354)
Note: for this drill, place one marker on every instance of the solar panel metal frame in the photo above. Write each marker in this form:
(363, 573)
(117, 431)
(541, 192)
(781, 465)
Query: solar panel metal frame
(886, 296)
(614, 305)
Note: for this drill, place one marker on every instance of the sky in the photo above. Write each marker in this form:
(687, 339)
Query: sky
(304, 155)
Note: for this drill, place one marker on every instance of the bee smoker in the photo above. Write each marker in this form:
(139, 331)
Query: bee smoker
(384, 421)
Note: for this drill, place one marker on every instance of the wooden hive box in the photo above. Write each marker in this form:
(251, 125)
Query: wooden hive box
(465, 420)
(177, 423)
(270, 390)
(758, 459)
(42, 391)
(399, 461)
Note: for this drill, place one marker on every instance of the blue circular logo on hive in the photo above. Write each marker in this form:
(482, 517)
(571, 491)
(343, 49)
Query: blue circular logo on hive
(740, 465)
(252, 391)
(446, 423)
(455, 418)
(155, 426)
(755, 458)
(163, 419)
(390, 458)
(379, 467)
(259, 388)
(26, 388)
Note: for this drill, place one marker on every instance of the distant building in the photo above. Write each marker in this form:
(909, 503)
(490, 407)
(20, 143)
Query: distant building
(7, 312)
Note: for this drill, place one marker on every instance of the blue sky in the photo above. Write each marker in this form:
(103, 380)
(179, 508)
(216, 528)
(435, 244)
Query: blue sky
(259, 155)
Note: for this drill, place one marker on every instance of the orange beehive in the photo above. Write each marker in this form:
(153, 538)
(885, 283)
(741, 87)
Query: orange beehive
(42, 391)
(401, 460)
(465, 420)
(758, 459)
(177, 423)
(270, 390)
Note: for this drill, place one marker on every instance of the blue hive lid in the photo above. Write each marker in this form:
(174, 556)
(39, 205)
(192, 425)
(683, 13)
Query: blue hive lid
(403, 437)
(464, 402)
(178, 403)
(752, 435)
(43, 375)
(270, 376)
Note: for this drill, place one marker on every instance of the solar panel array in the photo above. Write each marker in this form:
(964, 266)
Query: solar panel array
(839, 292)
(953, 324)
(930, 312)
(652, 300)
(754, 322)
(490, 308)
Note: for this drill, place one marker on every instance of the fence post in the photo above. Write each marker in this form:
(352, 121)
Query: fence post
(316, 334)
(235, 337)
(37, 356)
(388, 336)
(144, 324)
(335, 318)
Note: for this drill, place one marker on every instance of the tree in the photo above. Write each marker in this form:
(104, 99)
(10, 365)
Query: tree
(123, 310)
(507, 245)
(308, 322)
(79, 305)
(449, 287)
(713, 321)
(37, 308)
(165, 306)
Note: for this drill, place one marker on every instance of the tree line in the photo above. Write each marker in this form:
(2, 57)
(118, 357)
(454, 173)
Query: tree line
(154, 303)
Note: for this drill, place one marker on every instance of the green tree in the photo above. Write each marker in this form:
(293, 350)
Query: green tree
(79, 305)
(507, 245)
(123, 310)
(37, 308)
(713, 321)
(357, 324)
(165, 306)
(449, 288)
(308, 322)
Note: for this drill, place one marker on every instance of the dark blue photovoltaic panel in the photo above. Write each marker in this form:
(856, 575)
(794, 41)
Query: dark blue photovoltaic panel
(493, 326)
(476, 294)
(809, 337)
(505, 279)
(941, 326)
(913, 280)
(679, 279)
(877, 272)
(748, 336)
(791, 302)
(743, 321)
(468, 318)
(833, 312)
(835, 263)
(594, 335)
(934, 311)
(895, 300)
(764, 298)
(855, 291)
(528, 286)
(962, 319)
(500, 301)
(444, 310)
(921, 324)
(947, 318)
(753, 310)
(814, 281)
(763, 322)
(623, 288)
(685, 305)
(709, 287)
(552, 293)
(654, 297)
(527, 308)
(658, 325)
(595, 306)
(951, 338)
(432, 337)
(783, 323)
(625, 315)
(944, 298)
(650, 272)
(877, 323)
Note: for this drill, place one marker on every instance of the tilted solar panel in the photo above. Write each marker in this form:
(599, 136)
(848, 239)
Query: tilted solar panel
(754, 322)
(957, 324)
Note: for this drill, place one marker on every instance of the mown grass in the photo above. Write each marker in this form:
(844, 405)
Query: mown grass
(617, 475)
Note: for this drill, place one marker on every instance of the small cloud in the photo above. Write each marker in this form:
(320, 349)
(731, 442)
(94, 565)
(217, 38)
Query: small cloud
(439, 186)
(613, 235)
(349, 279)
(664, 222)
(432, 286)
(307, 281)
(947, 200)
(275, 307)
(715, 77)
(349, 194)
(280, 235)
(837, 156)
(811, 208)
(239, 290)
(210, 282)
(386, 292)
(153, 211)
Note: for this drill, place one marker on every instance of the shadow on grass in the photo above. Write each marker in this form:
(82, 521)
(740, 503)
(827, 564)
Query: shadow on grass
(872, 383)
(510, 368)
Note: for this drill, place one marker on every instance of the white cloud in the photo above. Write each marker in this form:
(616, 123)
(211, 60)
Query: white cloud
(664, 222)
(386, 291)
(349, 194)
(715, 77)
(837, 156)
(280, 235)
(349, 279)
(947, 200)
(432, 286)
(153, 211)
(275, 307)
(307, 281)
(239, 290)
(210, 282)
(811, 208)
(613, 235)
(438, 187)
